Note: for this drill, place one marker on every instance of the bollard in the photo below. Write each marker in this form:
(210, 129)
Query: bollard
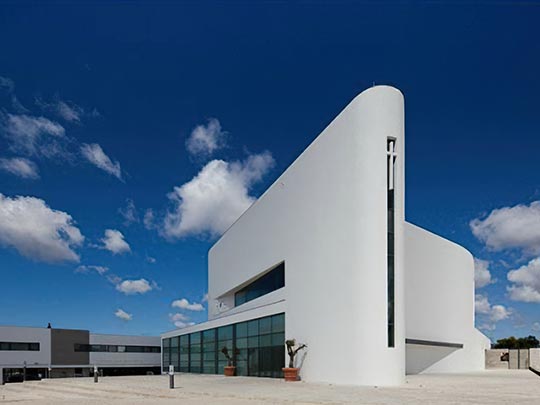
(171, 377)
(95, 374)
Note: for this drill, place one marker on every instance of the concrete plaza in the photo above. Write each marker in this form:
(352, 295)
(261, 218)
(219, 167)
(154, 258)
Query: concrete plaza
(489, 387)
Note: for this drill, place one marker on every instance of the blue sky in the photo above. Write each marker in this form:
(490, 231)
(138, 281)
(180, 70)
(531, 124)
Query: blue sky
(107, 106)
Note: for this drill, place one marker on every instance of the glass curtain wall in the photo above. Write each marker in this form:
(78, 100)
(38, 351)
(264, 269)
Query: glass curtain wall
(257, 347)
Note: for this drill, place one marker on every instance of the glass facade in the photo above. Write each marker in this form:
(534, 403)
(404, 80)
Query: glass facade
(390, 241)
(257, 347)
(271, 281)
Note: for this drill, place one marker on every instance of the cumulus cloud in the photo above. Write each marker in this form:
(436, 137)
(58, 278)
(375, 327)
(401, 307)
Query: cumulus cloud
(180, 320)
(516, 227)
(210, 202)
(490, 313)
(114, 242)
(37, 231)
(206, 139)
(33, 136)
(20, 167)
(131, 287)
(120, 313)
(95, 155)
(482, 275)
(185, 304)
(129, 213)
(85, 269)
(526, 282)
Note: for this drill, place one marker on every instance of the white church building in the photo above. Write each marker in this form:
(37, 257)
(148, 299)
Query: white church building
(326, 257)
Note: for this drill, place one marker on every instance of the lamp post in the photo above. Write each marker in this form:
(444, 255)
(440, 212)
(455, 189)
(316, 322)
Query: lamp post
(24, 371)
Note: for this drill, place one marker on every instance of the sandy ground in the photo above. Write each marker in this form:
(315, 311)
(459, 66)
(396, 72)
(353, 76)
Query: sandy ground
(489, 387)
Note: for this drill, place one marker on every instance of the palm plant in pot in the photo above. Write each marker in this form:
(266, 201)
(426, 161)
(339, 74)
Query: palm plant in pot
(229, 369)
(291, 372)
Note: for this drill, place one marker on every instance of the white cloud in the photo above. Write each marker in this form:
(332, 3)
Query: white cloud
(185, 304)
(149, 219)
(150, 259)
(114, 242)
(526, 282)
(131, 287)
(180, 320)
(215, 198)
(120, 313)
(499, 313)
(37, 231)
(88, 269)
(33, 135)
(482, 275)
(490, 313)
(67, 110)
(536, 327)
(95, 155)
(8, 85)
(181, 325)
(70, 112)
(205, 140)
(129, 213)
(20, 167)
(481, 304)
(516, 227)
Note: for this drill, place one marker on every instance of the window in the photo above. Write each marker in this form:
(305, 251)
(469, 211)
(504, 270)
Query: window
(257, 347)
(19, 346)
(115, 348)
(391, 159)
(270, 281)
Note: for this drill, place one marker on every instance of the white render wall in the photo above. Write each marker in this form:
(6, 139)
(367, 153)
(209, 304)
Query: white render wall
(41, 358)
(124, 359)
(439, 291)
(326, 217)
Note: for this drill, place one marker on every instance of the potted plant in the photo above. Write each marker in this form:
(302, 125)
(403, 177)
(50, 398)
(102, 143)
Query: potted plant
(291, 372)
(229, 368)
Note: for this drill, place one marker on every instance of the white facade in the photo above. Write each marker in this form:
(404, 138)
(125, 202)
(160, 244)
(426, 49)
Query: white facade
(326, 217)
(69, 352)
(439, 305)
(41, 358)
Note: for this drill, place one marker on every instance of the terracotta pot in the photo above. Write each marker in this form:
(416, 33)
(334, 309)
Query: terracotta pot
(229, 371)
(290, 374)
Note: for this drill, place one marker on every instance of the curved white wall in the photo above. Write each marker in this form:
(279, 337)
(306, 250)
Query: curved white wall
(439, 291)
(326, 217)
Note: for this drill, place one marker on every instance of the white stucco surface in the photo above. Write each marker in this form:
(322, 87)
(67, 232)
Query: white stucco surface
(325, 216)
(439, 291)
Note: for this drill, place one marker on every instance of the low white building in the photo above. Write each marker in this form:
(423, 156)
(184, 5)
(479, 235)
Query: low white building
(31, 353)
(325, 256)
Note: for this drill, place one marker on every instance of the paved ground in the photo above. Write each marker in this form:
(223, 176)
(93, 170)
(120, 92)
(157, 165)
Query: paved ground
(489, 387)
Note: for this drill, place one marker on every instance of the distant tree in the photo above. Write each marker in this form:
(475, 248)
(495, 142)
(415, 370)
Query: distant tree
(529, 342)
